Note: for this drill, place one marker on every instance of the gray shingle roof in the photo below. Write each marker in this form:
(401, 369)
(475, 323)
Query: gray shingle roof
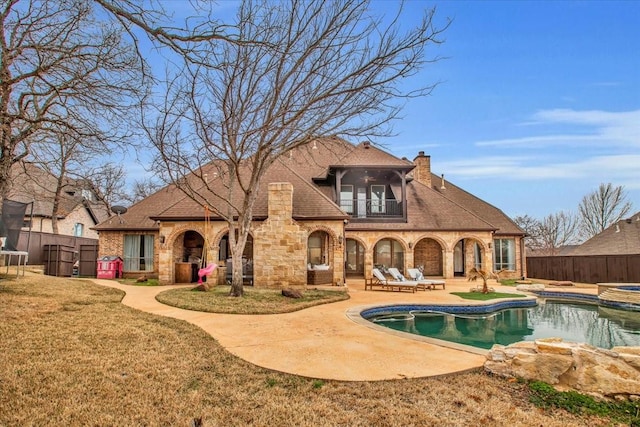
(621, 238)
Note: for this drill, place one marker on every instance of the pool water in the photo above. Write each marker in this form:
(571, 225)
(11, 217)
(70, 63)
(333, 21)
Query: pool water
(595, 325)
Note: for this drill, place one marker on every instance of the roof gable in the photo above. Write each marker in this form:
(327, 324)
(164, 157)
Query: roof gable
(621, 238)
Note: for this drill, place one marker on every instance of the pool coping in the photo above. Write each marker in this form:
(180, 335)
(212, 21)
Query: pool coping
(355, 314)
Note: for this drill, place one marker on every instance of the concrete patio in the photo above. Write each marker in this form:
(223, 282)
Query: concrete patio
(325, 341)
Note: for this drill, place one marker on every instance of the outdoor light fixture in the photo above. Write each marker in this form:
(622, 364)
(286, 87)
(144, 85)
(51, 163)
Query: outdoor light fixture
(340, 239)
(162, 239)
(410, 245)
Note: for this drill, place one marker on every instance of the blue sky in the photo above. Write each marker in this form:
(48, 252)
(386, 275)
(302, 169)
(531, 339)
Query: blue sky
(538, 102)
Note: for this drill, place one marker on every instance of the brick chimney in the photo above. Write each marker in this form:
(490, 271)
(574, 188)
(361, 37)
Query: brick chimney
(280, 200)
(422, 171)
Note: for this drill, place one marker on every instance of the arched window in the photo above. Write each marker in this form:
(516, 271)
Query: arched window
(389, 253)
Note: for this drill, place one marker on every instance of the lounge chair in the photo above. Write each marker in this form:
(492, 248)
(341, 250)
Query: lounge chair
(398, 277)
(378, 280)
(415, 274)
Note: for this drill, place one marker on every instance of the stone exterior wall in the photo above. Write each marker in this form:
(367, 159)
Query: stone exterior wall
(417, 249)
(280, 246)
(335, 230)
(274, 241)
(280, 243)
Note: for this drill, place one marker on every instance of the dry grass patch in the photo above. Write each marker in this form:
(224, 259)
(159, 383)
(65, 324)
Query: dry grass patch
(73, 355)
(254, 301)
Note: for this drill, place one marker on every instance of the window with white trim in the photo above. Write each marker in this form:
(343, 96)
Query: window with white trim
(78, 229)
(504, 254)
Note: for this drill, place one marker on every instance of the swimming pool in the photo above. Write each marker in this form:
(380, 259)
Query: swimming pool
(603, 327)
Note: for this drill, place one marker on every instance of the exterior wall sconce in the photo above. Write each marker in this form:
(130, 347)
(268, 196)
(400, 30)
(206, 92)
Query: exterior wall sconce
(162, 238)
(490, 245)
(340, 240)
(410, 245)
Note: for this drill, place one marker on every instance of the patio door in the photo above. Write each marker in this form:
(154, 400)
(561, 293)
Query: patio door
(354, 258)
(458, 259)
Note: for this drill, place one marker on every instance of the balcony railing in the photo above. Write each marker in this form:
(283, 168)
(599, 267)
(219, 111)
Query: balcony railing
(371, 208)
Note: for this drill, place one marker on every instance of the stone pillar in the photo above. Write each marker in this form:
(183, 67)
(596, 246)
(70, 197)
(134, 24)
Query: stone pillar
(280, 244)
(422, 171)
(409, 259)
(447, 268)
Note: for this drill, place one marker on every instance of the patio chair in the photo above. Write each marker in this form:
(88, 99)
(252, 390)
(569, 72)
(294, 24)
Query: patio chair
(381, 281)
(416, 274)
(397, 276)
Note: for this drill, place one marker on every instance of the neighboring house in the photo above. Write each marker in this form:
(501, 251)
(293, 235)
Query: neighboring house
(327, 205)
(621, 238)
(561, 251)
(78, 211)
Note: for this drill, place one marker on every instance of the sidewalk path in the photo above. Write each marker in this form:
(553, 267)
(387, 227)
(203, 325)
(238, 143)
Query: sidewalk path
(322, 341)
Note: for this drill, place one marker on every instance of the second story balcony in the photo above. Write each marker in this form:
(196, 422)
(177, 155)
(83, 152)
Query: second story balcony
(372, 209)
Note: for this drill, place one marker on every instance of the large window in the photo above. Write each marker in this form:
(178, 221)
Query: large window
(317, 248)
(504, 254)
(346, 198)
(138, 252)
(389, 253)
(377, 199)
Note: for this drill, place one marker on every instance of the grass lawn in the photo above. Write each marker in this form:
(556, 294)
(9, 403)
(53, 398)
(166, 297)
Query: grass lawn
(479, 296)
(72, 355)
(255, 301)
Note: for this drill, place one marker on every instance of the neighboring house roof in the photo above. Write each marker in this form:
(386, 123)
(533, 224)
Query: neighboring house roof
(429, 209)
(621, 238)
(30, 183)
(561, 251)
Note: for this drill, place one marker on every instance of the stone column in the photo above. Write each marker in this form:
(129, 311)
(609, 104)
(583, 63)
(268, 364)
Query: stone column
(280, 244)
(447, 259)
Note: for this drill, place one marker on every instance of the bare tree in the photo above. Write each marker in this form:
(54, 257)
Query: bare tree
(109, 182)
(315, 68)
(64, 73)
(141, 189)
(68, 65)
(557, 230)
(531, 226)
(190, 41)
(601, 208)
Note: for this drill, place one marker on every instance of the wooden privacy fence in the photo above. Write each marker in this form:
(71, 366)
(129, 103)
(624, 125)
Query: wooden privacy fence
(586, 269)
(42, 245)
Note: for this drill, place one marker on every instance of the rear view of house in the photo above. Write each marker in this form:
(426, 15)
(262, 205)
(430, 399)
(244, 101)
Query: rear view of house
(325, 213)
